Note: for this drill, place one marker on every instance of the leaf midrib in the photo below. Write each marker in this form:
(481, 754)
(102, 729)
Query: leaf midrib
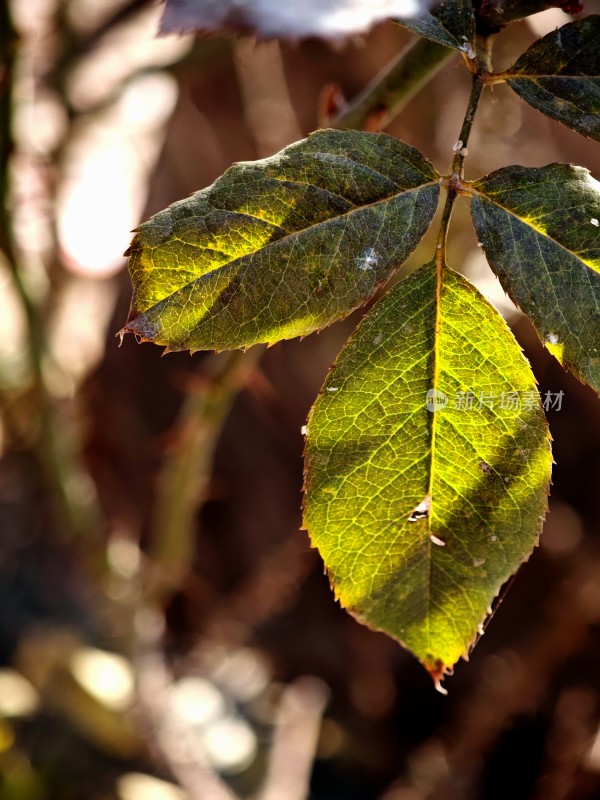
(302, 232)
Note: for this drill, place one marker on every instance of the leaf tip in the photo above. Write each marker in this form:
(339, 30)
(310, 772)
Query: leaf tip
(438, 671)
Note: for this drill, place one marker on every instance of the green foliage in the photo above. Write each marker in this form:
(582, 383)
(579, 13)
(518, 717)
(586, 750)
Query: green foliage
(427, 453)
(281, 247)
(420, 516)
(560, 76)
(544, 245)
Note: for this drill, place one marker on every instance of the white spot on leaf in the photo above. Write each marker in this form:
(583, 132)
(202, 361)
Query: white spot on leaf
(469, 52)
(421, 511)
(436, 540)
(369, 259)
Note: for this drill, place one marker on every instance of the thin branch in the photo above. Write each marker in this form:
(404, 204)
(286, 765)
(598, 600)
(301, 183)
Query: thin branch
(395, 86)
(52, 448)
(297, 730)
(176, 741)
(187, 469)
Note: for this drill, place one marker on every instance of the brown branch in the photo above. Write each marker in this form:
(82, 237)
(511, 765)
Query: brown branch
(395, 86)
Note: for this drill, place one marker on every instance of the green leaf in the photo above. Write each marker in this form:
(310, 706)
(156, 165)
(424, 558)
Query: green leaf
(451, 23)
(421, 516)
(540, 229)
(280, 247)
(560, 76)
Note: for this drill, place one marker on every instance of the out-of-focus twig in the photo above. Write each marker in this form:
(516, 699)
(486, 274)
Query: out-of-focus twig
(268, 109)
(176, 741)
(264, 594)
(297, 730)
(53, 448)
(187, 469)
(394, 87)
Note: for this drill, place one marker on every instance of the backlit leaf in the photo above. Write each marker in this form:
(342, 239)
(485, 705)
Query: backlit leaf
(560, 76)
(324, 18)
(280, 247)
(540, 229)
(451, 23)
(419, 515)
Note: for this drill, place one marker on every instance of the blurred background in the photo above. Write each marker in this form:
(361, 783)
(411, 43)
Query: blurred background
(166, 632)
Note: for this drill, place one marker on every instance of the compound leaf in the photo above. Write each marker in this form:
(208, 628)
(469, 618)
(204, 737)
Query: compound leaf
(420, 515)
(325, 18)
(451, 23)
(560, 76)
(540, 229)
(280, 247)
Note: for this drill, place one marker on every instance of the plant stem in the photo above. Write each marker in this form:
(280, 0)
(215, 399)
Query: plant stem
(187, 469)
(60, 471)
(395, 86)
(8, 51)
(461, 152)
(454, 181)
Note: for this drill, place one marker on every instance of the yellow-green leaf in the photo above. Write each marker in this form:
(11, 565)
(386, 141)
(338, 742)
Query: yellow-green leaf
(420, 515)
(280, 247)
(540, 229)
(560, 76)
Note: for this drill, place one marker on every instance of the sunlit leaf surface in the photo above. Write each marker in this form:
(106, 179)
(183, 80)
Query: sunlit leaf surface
(280, 247)
(540, 229)
(560, 76)
(421, 515)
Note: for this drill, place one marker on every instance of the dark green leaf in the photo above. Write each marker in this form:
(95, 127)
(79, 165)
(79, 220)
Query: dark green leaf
(420, 516)
(560, 76)
(451, 23)
(540, 229)
(280, 247)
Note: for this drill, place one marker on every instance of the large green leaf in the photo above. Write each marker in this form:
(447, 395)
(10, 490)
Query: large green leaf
(451, 23)
(540, 229)
(280, 247)
(421, 516)
(560, 75)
